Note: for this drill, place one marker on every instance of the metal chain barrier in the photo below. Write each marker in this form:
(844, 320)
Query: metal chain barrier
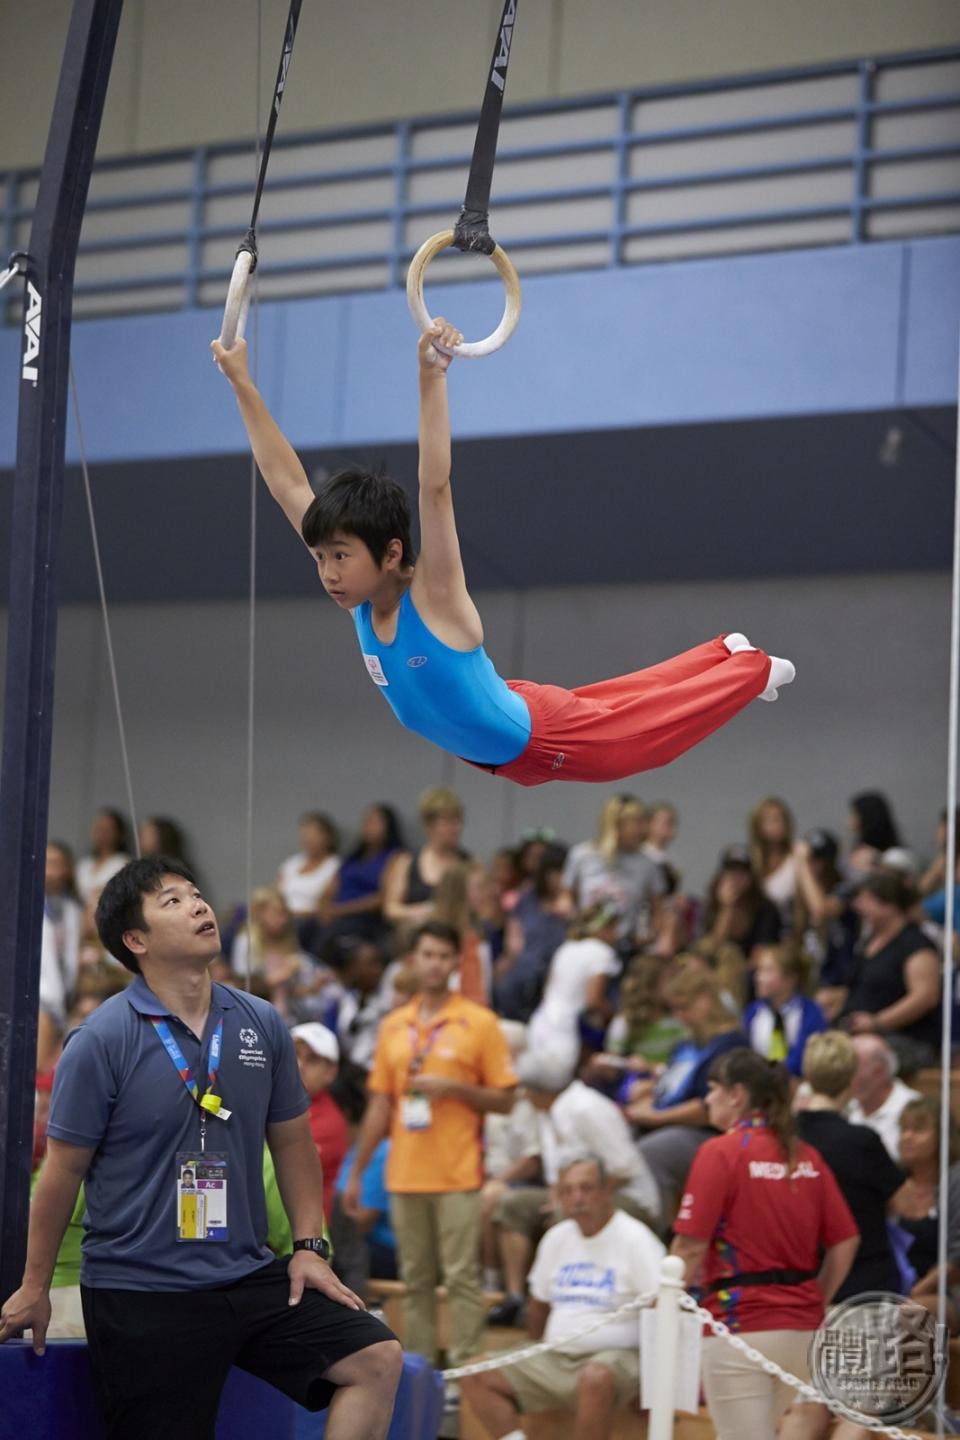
(722, 1332)
(513, 1357)
(808, 1392)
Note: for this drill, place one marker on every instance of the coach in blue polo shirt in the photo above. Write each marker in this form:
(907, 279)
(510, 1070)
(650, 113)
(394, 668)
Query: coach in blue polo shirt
(161, 1104)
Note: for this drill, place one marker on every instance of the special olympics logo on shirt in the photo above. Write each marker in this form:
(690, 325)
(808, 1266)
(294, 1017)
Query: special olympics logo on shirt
(416, 661)
(249, 1037)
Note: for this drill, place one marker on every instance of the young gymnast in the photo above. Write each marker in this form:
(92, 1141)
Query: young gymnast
(421, 636)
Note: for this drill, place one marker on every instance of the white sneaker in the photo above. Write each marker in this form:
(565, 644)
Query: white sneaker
(782, 672)
(736, 643)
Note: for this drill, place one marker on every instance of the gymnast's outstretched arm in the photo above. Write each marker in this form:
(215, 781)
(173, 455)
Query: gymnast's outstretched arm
(275, 456)
(439, 586)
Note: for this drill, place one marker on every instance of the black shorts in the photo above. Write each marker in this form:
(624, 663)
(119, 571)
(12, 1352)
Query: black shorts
(160, 1358)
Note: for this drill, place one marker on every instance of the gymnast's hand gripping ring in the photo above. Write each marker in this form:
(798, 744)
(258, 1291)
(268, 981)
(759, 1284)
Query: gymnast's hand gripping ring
(467, 349)
(238, 299)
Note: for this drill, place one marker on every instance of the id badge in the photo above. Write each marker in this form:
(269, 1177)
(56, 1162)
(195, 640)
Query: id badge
(201, 1195)
(415, 1112)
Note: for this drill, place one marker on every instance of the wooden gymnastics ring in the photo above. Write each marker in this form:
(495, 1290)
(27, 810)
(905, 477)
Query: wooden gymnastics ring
(238, 299)
(467, 349)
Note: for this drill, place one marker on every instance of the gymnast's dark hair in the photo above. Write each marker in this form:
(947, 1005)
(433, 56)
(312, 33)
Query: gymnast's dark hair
(120, 907)
(364, 503)
(767, 1084)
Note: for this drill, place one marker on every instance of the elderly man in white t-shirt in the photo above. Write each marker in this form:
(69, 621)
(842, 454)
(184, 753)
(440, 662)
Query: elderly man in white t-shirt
(594, 1261)
(573, 1119)
(879, 1097)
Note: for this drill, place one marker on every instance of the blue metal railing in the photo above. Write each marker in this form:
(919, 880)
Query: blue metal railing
(203, 260)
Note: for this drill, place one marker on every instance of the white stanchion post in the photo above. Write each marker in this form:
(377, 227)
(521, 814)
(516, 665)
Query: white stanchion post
(668, 1344)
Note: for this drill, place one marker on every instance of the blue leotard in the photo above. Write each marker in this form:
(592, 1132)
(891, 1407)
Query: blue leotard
(453, 697)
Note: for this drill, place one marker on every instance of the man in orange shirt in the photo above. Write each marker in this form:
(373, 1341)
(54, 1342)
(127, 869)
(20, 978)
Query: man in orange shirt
(441, 1065)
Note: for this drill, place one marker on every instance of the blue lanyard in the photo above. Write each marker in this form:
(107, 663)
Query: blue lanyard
(183, 1069)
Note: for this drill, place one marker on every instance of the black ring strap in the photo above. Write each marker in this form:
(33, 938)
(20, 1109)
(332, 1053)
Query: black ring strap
(472, 230)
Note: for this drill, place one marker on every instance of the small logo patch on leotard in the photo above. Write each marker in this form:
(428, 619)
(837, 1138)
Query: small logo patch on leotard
(416, 661)
(375, 669)
(558, 761)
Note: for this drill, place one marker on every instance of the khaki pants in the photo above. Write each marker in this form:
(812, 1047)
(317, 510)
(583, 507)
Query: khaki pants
(743, 1400)
(438, 1238)
(550, 1382)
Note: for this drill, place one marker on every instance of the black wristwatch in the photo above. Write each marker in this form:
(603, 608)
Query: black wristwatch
(317, 1244)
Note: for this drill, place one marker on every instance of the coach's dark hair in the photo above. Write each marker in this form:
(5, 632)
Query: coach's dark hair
(437, 930)
(364, 503)
(767, 1084)
(120, 907)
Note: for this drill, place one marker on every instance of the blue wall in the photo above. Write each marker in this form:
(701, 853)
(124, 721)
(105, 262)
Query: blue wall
(807, 332)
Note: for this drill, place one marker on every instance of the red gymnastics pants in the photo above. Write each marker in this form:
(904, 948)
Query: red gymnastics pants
(618, 727)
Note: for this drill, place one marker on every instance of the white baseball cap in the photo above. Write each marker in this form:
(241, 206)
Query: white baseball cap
(321, 1041)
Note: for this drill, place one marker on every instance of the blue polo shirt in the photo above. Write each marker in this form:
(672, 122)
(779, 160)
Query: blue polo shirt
(116, 1090)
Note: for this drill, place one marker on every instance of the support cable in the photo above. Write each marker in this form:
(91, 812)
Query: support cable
(252, 608)
(111, 661)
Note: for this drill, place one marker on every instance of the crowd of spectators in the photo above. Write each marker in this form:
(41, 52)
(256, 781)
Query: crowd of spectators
(547, 1046)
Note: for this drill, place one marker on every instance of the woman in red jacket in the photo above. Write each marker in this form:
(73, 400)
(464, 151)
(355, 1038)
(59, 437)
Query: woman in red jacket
(764, 1229)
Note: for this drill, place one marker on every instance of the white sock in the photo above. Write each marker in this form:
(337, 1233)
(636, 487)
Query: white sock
(782, 672)
(492, 1279)
(515, 1435)
(737, 642)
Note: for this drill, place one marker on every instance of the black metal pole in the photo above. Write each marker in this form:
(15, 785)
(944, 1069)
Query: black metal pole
(32, 630)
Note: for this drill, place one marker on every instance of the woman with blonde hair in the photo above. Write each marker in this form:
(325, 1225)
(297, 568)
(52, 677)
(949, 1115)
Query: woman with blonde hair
(412, 879)
(669, 1104)
(770, 832)
(613, 866)
(863, 1169)
(270, 943)
(461, 898)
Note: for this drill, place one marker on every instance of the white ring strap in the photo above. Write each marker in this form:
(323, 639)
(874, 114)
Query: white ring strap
(467, 349)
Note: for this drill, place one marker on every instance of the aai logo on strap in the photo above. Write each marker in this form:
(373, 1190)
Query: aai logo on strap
(31, 328)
